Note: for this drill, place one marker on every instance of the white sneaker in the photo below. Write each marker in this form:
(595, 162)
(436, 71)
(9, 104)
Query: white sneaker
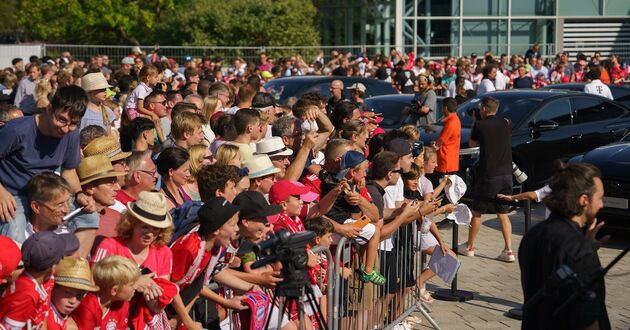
(463, 250)
(507, 256)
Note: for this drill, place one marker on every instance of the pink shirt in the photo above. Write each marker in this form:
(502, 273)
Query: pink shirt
(159, 260)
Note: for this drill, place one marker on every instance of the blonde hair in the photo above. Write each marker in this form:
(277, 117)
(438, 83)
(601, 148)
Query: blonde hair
(127, 222)
(185, 122)
(114, 270)
(225, 153)
(42, 89)
(196, 154)
(411, 132)
(352, 127)
(429, 152)
(209, 105)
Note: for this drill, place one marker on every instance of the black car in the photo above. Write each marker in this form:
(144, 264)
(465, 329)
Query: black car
(549, 125)
(284, 88)
(620, 94)
(613, 161)
(395, 108)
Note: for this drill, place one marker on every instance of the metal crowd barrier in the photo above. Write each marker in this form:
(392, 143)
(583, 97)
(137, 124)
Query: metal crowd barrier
(364, 306)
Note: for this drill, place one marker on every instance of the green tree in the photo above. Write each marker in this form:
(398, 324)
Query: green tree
(91, 21)
(241, 23)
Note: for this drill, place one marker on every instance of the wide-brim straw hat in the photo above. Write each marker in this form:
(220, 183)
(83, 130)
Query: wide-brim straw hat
(260, 165)
(152, 209)
(75, 273)
(107, 146)
(94, 81)
(96, 167)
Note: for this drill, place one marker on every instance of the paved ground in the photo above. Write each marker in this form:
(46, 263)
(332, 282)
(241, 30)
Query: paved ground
(497, 284)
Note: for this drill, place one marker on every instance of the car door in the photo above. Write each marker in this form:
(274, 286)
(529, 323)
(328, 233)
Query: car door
(543, 145)
(598, 120)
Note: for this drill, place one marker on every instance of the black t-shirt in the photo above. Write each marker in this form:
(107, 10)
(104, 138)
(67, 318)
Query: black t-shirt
(340, 71)
(523, 82)
(330, 105)
(341, 210)
(548, 245)
(377, 192)
(383, 73)
(405, 81)
(494, 135)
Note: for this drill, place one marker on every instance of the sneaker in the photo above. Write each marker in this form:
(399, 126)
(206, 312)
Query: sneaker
(507, 256)
(465, 251)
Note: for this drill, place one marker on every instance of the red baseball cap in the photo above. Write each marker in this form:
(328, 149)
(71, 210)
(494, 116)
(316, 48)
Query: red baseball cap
(9, 258)
(281, 190)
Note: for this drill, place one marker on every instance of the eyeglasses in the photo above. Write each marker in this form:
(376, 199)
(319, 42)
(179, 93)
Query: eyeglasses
(151, 173)
(63, 122)
(159, 102)
(398, 170)
(57, 207)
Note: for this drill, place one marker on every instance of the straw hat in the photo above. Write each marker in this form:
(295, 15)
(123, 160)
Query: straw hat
(94, 81)
(152, 209)
(107, 146)
(96, 167)
(75, 273)
(260, 165)
(272, 146)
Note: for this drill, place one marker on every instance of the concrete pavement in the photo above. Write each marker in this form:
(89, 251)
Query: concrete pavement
(497, 287)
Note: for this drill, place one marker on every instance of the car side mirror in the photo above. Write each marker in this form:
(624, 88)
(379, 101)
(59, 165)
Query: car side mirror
(544, 125)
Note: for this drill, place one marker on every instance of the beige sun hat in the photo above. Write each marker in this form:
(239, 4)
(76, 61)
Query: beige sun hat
(94, 81)
(259, 165)
(107, 146)
(75, 273)
(152, 209)
(96, 167)
(272, 146)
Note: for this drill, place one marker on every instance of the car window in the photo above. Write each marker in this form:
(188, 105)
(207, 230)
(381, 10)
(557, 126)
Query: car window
(322, 88)
(282, 91)
(393, 111)
(514, 107)
(589, 109)
(558, 111)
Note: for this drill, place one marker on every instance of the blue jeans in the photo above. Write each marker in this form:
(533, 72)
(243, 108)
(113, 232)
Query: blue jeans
(15, 228)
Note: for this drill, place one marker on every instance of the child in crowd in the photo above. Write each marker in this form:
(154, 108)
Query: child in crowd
(540, 81)
(108, 308)
(148, 77)
(354, 168)
(10, 259)
(25, 303)
(73, 280)
(418, 187)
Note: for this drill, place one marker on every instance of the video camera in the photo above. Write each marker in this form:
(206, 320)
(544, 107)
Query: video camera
(290, 250)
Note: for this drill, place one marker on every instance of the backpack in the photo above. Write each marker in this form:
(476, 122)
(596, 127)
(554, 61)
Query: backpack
(184, 218)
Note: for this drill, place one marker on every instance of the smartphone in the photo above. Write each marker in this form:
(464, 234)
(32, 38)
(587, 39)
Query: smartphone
(362, 222)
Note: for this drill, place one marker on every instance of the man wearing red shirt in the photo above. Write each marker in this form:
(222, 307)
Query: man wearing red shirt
(448, 142)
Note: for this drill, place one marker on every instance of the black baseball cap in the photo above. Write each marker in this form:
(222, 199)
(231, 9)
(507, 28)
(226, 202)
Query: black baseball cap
(400, 146)
(253, 205)
(215, 213)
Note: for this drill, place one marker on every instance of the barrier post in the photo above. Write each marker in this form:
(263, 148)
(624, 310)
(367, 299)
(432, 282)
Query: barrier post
(453, 294)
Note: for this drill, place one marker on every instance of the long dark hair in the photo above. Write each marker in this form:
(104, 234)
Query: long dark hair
(567, 185)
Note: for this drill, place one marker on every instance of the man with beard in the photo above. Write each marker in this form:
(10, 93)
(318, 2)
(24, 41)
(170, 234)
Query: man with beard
(566, 238)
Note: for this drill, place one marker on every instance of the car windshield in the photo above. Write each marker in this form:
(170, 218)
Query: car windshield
(516, 107)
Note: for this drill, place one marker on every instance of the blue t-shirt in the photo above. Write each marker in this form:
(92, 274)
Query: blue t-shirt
(25, 151)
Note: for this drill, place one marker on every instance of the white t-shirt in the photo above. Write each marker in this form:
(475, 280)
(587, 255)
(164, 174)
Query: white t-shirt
(485, 86)
(500, 81)
(451, 92)
(139, 93)
(392, 195)
(598, 88)
(542, 193)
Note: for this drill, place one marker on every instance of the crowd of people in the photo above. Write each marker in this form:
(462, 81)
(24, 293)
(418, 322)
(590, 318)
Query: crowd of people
(132, 195)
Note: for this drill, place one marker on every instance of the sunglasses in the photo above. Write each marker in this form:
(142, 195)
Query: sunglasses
(398, 170)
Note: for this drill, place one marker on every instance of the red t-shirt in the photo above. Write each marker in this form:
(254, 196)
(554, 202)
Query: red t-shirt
(291, 224)
(191, 258)
(26, 300)
(110, 219)
(313, 183)
(448, 154)
(123, 197)
(89, 314)
(159, 260)
(55, 320)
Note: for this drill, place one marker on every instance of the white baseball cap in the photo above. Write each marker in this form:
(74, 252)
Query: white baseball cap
(461, 215)
(455, 189)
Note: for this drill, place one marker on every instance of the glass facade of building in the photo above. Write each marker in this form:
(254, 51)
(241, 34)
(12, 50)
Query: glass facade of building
(435, 28)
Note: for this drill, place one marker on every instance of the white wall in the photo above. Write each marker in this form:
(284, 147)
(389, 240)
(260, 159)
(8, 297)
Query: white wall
(9, 52)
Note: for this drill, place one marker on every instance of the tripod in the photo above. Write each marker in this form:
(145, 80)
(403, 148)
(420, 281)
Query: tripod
(294, 294)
